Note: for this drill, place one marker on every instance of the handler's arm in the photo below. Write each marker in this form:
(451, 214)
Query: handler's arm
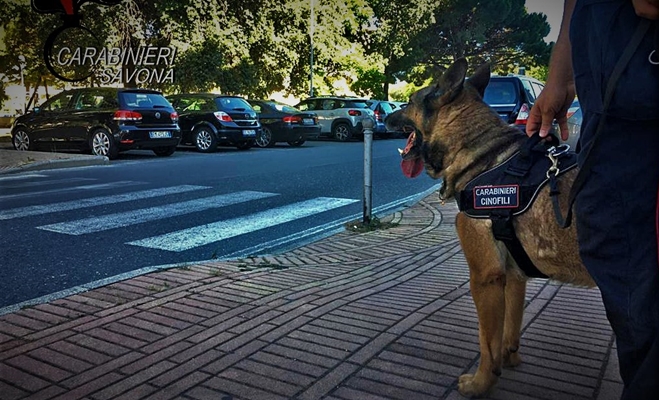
(559, 90)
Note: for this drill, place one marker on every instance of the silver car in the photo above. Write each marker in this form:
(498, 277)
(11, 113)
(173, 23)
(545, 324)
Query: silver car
(340, 118)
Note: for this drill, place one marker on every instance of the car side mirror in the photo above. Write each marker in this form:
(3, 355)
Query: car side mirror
(36, 110)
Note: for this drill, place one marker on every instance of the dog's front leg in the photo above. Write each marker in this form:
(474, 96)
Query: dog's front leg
(486, 260)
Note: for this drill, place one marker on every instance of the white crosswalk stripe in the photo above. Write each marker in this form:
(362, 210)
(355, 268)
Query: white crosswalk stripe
(118, 220)
(121, 211)
(214, 232)
(98, 186)
(95, 201)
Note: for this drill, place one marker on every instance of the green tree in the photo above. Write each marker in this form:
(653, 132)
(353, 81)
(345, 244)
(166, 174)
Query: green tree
(499, 31)
(393, 31)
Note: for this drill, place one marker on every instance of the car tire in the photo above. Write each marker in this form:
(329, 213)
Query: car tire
(22, 141)
(102, 144)
(244, 145)
(342, 132)
(296, 143)
(204, 139)
(265, 138)
(164, 151)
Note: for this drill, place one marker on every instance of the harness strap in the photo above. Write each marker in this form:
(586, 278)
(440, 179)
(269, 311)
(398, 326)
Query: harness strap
(619, 68)
(502, 223)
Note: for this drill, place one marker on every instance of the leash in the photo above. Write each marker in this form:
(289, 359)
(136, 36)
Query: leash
(585, 169)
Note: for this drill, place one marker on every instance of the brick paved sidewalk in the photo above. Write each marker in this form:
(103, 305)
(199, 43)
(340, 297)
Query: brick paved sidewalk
(380, 315)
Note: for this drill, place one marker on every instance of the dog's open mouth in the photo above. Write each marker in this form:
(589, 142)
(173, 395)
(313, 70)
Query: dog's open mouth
(412, 164)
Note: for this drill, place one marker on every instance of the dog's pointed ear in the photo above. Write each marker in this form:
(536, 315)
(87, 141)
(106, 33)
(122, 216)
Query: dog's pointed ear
(449, 85)
(481, 78)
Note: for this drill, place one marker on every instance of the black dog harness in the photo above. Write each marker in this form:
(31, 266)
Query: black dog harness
(510, 188)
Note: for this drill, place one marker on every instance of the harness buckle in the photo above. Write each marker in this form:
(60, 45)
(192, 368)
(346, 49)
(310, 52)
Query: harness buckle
(554, 153)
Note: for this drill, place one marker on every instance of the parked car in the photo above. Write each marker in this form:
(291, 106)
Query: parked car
(397, 105)
(104, 121)
(574, 128)
(283, 123)
(381, 109)
(340, 117)
(512, 96)
(209, 120)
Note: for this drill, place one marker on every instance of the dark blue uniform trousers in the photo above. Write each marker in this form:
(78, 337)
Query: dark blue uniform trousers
(616, 211)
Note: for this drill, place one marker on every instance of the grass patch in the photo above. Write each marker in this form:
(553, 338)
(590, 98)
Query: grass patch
(373, 225)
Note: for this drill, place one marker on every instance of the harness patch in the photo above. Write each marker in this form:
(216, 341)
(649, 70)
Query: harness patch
(493, 197)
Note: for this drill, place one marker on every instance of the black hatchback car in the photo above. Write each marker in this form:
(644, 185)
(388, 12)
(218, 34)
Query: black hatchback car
(208, 120)
(283, 123)
(104, 121)
(512, 97)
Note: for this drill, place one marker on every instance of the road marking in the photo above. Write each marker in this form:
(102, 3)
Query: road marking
(47, 182)
(100, 186)
(214, 232)
(95, 201)
(19, 177)
(119, 220)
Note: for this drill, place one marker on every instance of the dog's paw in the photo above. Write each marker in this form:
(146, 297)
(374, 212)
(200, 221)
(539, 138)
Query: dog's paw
(470, 386)
(511, 360)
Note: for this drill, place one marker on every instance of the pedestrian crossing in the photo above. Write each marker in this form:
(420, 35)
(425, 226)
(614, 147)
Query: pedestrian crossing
(93, 212)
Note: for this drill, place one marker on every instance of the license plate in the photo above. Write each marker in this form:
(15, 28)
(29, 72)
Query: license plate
(249, 132)
(307, 121)
(160, 134)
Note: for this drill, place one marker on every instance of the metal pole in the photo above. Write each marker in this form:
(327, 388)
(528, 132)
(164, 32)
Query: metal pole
(368, 157)
(312, 28)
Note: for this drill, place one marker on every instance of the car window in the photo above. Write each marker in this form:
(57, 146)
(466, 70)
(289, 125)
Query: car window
(58, 102)
(94, 100)
(143, 100)
(500, 93)
(537, 88)
(284, 108)
(329, 104)
(232, 104)
(359, 104)
(257, 107)
(306, 105)
(386, 107)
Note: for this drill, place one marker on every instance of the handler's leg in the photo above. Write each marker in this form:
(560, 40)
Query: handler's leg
(616, 224)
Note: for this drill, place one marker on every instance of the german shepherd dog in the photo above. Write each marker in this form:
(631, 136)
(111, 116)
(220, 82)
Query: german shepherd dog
(457, 136)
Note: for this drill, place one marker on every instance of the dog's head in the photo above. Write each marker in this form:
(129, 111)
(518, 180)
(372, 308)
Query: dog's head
(439, 117)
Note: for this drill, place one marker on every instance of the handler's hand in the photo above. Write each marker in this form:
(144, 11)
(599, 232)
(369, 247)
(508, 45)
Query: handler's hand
(551, 104)
(647, 8)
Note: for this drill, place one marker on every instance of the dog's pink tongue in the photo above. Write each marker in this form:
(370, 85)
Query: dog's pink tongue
(411, 167)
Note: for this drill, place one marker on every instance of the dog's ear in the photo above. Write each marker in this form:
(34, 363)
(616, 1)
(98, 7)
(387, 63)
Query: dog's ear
(481, 78)
(449, 84)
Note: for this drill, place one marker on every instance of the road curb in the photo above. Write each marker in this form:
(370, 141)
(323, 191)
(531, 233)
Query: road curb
(57, 163)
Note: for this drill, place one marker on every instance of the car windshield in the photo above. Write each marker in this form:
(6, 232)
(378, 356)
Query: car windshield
(284, 108)
(143, 100)
(500, 93)
(233, 103)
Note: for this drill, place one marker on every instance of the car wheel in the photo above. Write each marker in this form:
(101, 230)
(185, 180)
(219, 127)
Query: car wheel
(297, 143)
(102, 144)
(244, 145)
(204, 139)
(265, 138)
(164, 151)
(21, 140)
(342, 132)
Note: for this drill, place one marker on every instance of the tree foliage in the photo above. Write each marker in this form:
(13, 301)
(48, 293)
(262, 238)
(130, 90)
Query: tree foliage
(257, 47)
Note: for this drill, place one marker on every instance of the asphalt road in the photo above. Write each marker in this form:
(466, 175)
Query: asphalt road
(66, 228)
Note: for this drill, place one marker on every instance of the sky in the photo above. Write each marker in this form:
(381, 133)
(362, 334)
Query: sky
(553, 9)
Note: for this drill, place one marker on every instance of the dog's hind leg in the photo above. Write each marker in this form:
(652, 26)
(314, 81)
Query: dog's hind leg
(486, 259)
(515, 296)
